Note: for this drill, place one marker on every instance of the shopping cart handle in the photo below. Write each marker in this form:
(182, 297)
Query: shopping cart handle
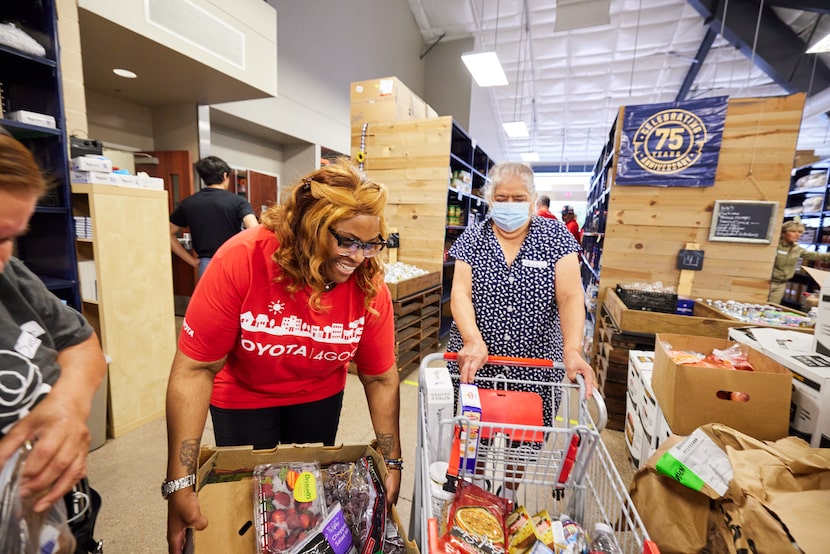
(602, 411)
(507, 360)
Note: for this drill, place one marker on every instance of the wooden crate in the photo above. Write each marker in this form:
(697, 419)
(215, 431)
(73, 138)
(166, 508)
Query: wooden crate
(701, 324)
(711, 311)
(415, 285)
(417, 322)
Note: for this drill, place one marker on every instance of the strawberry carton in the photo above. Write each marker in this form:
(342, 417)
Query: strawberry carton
(289, 504)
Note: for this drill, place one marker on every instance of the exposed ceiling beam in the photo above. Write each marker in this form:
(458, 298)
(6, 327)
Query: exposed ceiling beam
(778, 49)
(819, 6)
(694, 68)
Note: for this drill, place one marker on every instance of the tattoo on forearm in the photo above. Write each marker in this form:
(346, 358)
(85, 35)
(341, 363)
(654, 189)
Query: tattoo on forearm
(386, 443)
(189, 454)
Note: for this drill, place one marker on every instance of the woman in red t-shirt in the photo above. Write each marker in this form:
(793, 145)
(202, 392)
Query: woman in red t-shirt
(272, 326)
(569, 217)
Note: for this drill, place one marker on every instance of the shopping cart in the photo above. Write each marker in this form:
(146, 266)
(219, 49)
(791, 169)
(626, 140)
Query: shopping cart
(563, 467)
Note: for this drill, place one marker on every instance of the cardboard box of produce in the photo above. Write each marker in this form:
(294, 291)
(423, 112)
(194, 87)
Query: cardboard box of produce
(691, 396)
(226, 490)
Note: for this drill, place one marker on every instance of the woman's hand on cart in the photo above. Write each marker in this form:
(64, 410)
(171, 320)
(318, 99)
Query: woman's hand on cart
(471, 358)
(575, 365)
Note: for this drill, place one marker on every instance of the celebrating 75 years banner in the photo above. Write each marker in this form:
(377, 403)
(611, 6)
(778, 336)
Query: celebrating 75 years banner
(671, 145)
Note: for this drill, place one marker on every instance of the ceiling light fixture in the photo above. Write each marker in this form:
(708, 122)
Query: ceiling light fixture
(821, 46)
(126, 73)
(530, 157)
(483, 64)
(516, 129)
(485, 68)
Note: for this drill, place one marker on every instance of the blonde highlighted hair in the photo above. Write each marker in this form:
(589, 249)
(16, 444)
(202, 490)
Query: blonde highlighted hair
(792, 225)
(320, 200)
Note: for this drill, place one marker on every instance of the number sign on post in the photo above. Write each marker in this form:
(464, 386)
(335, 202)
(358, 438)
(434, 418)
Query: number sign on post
(743, 221)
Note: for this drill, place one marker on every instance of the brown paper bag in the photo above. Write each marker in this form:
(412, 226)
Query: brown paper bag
(779, 494)
(676, 517)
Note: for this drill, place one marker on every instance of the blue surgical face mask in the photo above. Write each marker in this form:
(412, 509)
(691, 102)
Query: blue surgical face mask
(509, 216)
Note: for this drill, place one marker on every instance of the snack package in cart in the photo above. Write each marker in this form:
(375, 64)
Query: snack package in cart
(477, 522)
(289, 504)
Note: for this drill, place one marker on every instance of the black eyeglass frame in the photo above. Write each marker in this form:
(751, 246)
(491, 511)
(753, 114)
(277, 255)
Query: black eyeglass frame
(352, 245)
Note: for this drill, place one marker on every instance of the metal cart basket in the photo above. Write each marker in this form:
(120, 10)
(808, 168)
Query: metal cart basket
(562, 466)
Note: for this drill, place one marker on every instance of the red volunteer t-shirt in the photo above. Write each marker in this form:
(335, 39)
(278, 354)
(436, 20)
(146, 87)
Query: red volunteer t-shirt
(279, 350)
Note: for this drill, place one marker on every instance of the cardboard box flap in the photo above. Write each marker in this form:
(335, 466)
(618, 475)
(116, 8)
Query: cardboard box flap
(818, 275)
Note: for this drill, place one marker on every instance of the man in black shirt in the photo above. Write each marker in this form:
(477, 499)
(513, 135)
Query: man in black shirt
(214, 214)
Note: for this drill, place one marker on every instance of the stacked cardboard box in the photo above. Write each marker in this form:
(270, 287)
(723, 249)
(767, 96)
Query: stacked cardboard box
(691, 396)
(385, 99)
(810, 409)
(645, 426)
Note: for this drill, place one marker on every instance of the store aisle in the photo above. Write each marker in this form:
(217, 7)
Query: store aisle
(128, 471)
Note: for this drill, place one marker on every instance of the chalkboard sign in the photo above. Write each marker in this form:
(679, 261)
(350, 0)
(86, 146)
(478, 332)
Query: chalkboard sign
(743, 221)
(690, 259)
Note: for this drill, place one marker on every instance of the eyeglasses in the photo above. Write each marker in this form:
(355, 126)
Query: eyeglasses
(348, 246)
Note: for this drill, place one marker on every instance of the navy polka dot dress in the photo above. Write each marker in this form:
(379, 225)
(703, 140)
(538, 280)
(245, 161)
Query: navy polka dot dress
(515, 306)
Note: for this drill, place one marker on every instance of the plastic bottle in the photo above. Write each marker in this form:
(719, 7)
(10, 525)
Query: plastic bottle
(575, 540)
(603, 540)
(441, 497)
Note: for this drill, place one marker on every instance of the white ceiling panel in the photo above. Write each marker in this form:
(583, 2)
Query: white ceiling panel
(577, 79)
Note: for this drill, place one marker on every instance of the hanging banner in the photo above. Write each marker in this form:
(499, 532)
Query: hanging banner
(671, 145)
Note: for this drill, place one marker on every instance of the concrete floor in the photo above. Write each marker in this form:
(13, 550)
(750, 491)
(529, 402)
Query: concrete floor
(128, 471)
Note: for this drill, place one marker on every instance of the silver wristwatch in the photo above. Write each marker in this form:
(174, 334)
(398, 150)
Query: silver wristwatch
(169, 487)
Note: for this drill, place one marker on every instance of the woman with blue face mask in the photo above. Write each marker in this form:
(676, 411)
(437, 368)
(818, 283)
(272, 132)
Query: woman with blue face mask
(517, 289)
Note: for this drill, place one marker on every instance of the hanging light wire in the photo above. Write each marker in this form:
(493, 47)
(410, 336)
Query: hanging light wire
(754, 44)
(717, 58)
(636, 40)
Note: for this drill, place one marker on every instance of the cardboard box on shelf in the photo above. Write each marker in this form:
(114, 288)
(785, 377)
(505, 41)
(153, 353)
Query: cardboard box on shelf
(384, 99)
(229, 503)
(92, 177)
(633, 431)
(810, 410)
(379, 89)
(821, 332)
(648, 417)
(379, 110)
(419, 107)
(88, 278)
(691, 396)
(33, 118)
(92, 163)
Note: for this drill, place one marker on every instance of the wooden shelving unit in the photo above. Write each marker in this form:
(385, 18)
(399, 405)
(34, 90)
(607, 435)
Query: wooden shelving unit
(417, 322)
(32, 83)
(418, 161)
(134, 313)
(635, 232)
